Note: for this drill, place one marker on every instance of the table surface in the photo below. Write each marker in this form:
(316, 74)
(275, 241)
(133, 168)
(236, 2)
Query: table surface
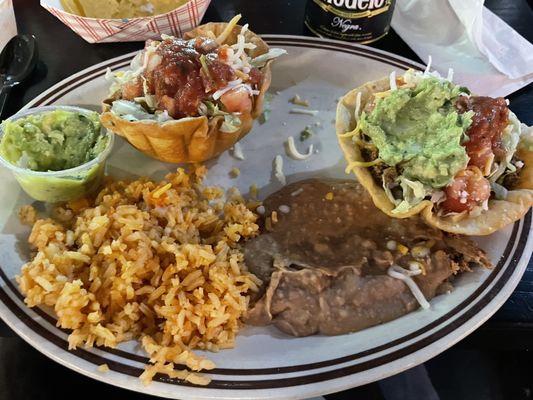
(63, 53)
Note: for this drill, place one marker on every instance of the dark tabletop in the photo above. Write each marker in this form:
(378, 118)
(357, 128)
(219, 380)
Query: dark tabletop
(492, 363)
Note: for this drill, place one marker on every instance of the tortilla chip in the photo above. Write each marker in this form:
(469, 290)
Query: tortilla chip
(500, 213)
(72, 7)
(164, 6)
(99, 8)
(192, 139)
(119, 9)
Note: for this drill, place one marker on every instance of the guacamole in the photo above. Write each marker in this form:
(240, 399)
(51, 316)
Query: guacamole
(52, 189)
(52, 141)
(419, 130)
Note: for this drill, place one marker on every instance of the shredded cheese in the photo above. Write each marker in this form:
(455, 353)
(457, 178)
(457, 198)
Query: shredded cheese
(381, 95)
(293, 152)
(392, 81)
(357, 106)
(241, 46)
(297, 192)
(351, 133)
(228, 87)
(242, 75)
(404, 275)
(428, 67)
(278, 170)
(229, 28)
(237, 58)
(450, 74)
(236, 84)
(302, 111)
(237, 151)
(296, 99)
(364, 164)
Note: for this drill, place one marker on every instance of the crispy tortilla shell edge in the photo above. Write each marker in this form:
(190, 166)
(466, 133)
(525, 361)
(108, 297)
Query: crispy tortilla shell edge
(191, 139)
(500, 213)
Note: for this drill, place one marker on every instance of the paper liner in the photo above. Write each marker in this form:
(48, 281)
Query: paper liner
(101, 30)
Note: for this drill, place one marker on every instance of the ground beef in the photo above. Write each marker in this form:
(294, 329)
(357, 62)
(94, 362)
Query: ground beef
(370, 154)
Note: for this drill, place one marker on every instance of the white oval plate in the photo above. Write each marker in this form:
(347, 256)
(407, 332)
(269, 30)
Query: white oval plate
(266, 364)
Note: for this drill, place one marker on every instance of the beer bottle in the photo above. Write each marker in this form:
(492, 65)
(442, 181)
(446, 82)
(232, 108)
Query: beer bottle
(362, 21)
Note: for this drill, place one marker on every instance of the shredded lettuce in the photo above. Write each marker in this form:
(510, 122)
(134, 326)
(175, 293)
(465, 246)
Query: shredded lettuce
(149, 99)
(510, 138)
(136, 63)
(261, 60)
(137, 66)
(413, 193)
(205, 67)
(500, 193)
(526, 140)
(132, 111)
(231, 123)
(413, 78)
(267, 109)
(388, 192)
(210, 109)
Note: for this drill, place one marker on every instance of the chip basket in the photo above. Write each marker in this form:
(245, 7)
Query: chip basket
(100, 30)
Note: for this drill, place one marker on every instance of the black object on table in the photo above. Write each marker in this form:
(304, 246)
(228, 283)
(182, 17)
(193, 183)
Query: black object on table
(17, 61)
(492, 363)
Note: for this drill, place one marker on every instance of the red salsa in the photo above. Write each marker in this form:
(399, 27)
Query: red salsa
(187, 73)
(490, 118)
(470, 188)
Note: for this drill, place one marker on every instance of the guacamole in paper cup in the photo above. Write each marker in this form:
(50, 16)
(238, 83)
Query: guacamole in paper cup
(56, 153)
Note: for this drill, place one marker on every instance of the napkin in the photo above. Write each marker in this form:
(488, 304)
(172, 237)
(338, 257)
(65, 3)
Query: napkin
(486, 54)
(8, 25)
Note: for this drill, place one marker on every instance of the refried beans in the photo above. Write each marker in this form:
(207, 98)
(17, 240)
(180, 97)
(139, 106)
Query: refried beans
(324, 262)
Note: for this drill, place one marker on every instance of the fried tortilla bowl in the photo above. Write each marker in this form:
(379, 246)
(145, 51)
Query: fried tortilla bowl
(500, 213)
(192, 139)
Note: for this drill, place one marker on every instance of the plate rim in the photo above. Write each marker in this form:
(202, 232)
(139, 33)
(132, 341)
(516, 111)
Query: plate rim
(88, 74)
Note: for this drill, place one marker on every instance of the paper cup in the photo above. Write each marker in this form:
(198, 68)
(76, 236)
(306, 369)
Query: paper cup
(102, 30)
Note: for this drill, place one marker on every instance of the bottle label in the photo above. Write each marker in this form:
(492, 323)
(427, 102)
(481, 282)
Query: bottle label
(352, 20)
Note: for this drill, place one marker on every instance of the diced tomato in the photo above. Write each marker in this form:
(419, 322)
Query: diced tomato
(490, 117)
(178, 78)
(256, 76)
(237, 100)
(223, 53)
(132, 89)
(480, 153)
(468, 189)
(169, 104)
